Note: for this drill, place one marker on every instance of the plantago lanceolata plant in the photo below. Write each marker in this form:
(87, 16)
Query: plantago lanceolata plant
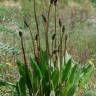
(50, 72)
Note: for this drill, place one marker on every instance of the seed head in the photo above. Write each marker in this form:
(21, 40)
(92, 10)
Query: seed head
(20, 34)
(66, 37)
(55, 51)
(44, 18)
(36, 37)
(25, 22)
(51, 1)
(60, 23)
(63, 29)
(53, 37)
(55, 2)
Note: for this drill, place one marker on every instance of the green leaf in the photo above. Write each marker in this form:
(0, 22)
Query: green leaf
(72, 90)
(46, 84)
(43, 61)
(66, 70)
(22, 87)
(21, 68)
(86, 73)
(35, 68)
(55, 78)
(25, 74)
(52, 93)
(17, 89)
(70, 81)
(28, 80)
(75, 81)
(72, 75)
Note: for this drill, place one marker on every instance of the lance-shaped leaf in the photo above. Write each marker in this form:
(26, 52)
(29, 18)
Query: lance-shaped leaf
(22, 87)
(35, 68)
(70, 81)
(66, 70)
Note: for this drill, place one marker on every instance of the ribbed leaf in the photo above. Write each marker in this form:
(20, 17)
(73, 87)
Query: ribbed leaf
(72, 90)
(21, 68)
(28, 80)
(55, 78)
(46, 84)
(25, 75)
(70, 81)
(22, 87)
(35, 68)
(86, 71)
(17, 89)
(66, 70)
(43, 61)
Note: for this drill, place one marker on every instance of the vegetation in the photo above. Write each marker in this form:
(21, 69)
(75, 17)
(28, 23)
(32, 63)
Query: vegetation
(48, 57)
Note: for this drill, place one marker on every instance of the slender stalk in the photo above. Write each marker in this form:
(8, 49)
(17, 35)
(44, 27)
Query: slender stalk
(25, 22)
(55, 26)
(52, 45)
(46, 21)
(23, 51)
(61, 42)
(46, 33)
(60, 48)
(36, 18)
(65, 48)
(32, 41)
(25, 62)
(35, 48)
(38, 33)
(47, 43)
(37, 93)
(53, 38)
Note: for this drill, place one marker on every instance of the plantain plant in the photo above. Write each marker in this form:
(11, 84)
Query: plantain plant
(50, 72)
